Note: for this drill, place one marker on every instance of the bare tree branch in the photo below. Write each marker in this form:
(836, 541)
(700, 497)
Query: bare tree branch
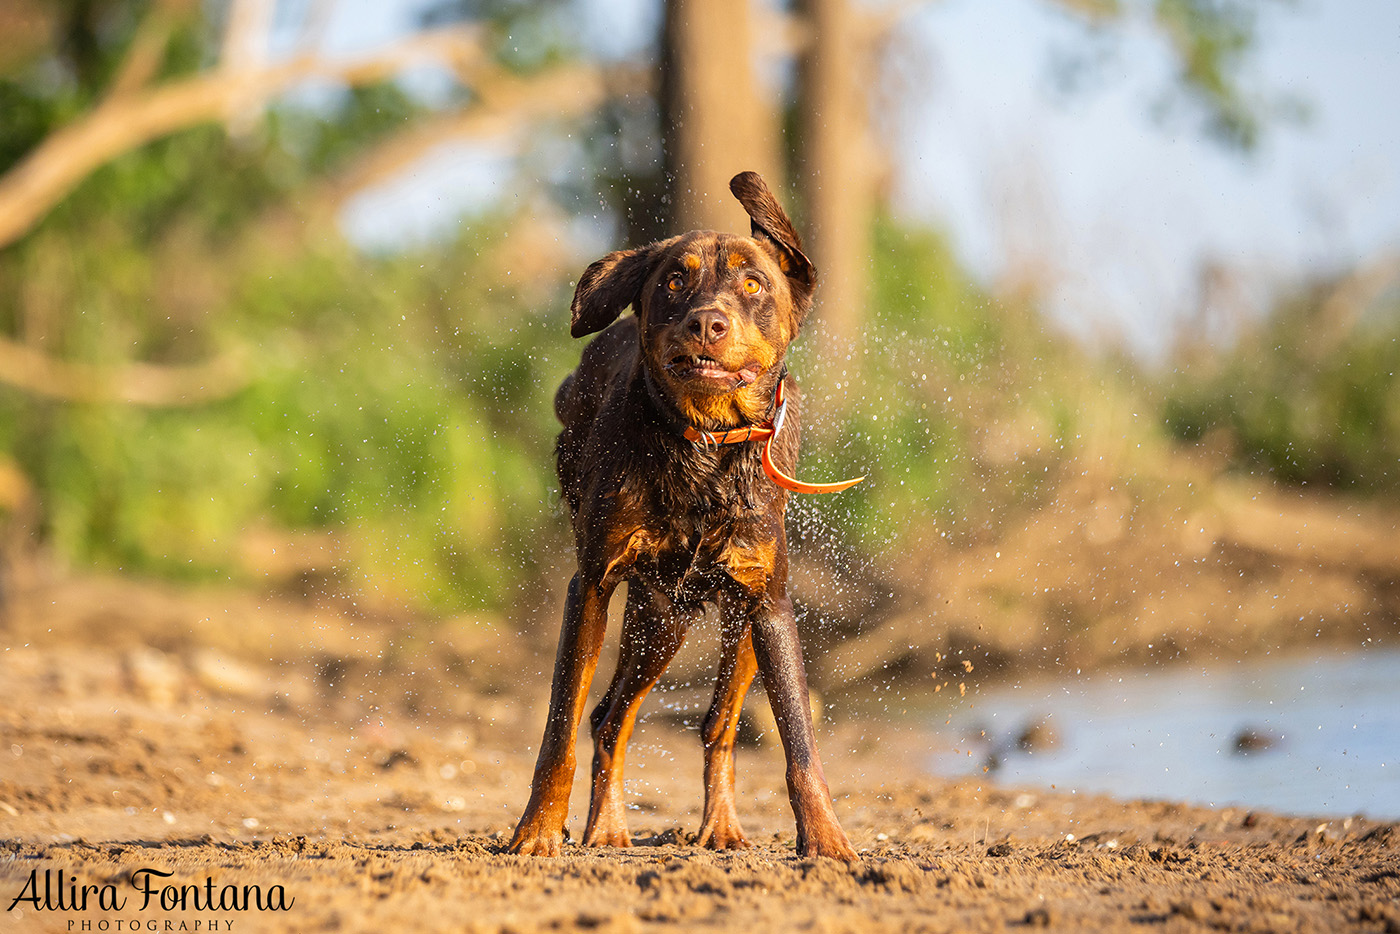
(55, 167)
(244, 55)
(145, 384)
(315, 22)
(147, 49)
(134, 113)
(507, 104)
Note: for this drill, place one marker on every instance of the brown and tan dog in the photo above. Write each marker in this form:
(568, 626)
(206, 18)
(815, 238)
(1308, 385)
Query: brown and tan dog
(680, 436)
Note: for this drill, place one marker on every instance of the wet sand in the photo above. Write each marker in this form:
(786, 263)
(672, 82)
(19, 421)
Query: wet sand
(379, 796)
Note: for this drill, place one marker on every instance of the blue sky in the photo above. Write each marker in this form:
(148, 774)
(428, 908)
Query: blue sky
(1125, 208)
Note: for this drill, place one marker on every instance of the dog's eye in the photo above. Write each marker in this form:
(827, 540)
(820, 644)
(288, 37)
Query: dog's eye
(752, 286)
(676, 282)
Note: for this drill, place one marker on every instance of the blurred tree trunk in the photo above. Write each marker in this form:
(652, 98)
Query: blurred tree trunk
(837, 167)
(718, 119)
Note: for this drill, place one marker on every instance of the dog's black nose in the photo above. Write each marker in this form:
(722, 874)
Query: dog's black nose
(709, 326)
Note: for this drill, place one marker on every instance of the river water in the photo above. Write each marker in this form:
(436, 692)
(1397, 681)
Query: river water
(1313, 737)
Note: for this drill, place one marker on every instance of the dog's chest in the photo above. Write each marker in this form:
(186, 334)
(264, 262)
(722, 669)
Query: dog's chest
(691, 562)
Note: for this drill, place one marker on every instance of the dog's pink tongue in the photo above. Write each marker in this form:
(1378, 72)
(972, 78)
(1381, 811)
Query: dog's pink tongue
(748, 374)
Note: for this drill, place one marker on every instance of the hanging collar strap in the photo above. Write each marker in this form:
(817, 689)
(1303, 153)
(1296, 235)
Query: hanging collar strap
(766, 431)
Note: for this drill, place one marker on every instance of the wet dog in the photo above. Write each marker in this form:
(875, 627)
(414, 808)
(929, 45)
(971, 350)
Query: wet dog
(680, 438)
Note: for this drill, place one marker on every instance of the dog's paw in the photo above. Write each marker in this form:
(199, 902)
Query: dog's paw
(607, 836)
(830, 842)
(722, 834)
(534, 840)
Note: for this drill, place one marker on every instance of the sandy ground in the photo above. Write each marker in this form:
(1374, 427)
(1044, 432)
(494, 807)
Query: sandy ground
(369, 792)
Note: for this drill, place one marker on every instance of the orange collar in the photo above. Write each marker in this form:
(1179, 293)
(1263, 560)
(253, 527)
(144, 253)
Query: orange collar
(765, 432)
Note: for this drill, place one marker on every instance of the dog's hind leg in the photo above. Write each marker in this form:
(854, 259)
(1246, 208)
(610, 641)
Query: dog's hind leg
(541, 829)
(652, 631)
(719, 827)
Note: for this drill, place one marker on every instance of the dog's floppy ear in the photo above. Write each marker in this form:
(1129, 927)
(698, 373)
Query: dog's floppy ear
(768, 221)
(608, 286)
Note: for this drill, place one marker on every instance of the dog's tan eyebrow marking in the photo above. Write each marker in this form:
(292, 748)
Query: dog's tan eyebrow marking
(691, 261)
(737, 259)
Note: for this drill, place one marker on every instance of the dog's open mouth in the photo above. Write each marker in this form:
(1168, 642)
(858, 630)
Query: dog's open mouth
(700, 366)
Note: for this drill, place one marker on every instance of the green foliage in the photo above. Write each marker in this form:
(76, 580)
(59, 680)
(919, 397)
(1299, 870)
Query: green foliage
(400, 403)
(1309, 399)
(356, 419)
(1210, 38)
(1209, 42)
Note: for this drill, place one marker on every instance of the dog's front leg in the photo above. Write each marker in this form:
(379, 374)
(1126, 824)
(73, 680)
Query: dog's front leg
(653, 629)
(541, 829)
(779, 655)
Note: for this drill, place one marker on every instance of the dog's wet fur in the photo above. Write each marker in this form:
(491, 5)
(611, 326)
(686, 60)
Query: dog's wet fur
(686, 526)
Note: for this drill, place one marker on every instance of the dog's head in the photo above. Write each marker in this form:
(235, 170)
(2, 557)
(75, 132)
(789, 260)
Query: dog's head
(715, 311)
